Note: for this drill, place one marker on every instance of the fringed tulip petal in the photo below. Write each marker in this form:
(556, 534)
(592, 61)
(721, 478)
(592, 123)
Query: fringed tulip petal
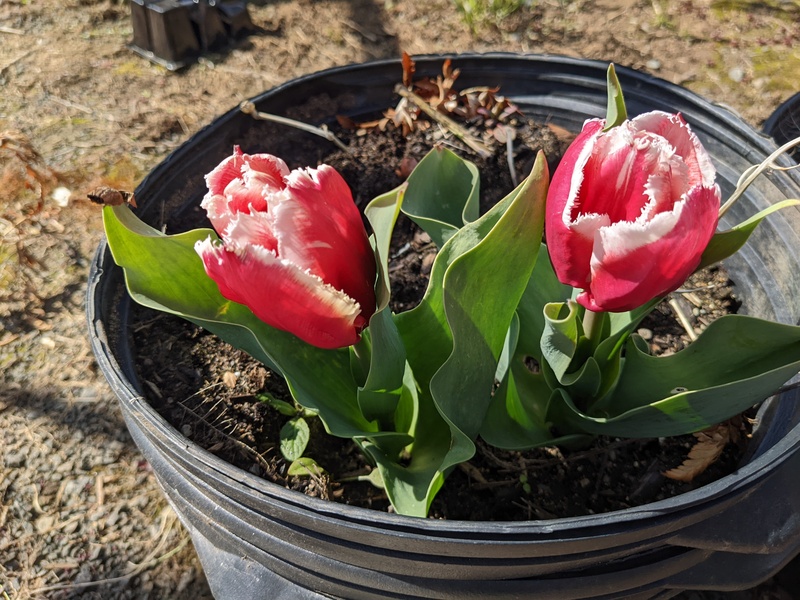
(637, 262)
(282, 295)
(242, 183)
(686, 144)
(570, 251)
(321, 230)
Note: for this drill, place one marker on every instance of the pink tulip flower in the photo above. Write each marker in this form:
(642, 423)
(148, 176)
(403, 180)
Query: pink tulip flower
(294, 249)
(631, 210)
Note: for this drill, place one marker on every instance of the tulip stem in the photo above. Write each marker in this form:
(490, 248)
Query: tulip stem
(362, 350)
(249, 108)
(593, 325)
(750, 174)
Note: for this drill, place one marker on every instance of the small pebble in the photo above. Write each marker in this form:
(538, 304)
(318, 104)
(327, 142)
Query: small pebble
(653, 64)
(736, 74)
(44, 523)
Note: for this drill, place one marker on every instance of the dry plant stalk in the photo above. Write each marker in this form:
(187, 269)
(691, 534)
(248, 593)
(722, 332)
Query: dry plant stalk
(437, 100)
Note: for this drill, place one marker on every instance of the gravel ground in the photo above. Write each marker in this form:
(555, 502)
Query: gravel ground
(80, 513)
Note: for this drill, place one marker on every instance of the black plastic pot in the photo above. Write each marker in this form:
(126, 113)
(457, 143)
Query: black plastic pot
(784, 124)
(258, 540)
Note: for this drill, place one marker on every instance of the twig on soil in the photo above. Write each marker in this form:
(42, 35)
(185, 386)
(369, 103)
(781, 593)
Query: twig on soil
(11, 30)
(445, 121)
(14, 61)
(70, 104)
(249, 108)
(367, 35)
(683, 318)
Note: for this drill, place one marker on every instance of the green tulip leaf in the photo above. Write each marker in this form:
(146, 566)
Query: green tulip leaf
(515, 419)
(382, 346)
(442, 195)
(509, 350)
(616, 113)
(561, 337)
(608, 354)
(736, 363)
(482, 289)
(411, 487)
(382, 213)
(726, 243)
(449, 332)
(585, 382)
(542, 289)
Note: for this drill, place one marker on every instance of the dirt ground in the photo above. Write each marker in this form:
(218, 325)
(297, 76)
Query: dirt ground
(80, 513)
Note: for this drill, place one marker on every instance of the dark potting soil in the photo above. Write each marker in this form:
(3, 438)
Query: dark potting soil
(209, 390)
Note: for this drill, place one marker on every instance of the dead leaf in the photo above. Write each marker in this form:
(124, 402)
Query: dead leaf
(408, 69)
(229, 379)
(111, 197)
(708, 448)
(440, 94)
(407, 165)
(346, 122)
(562, 134)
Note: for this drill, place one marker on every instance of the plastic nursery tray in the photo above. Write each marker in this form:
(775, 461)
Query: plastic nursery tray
(174, 33)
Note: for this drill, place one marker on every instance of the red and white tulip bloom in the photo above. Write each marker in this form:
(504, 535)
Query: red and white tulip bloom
(631, 210)
(294, 249)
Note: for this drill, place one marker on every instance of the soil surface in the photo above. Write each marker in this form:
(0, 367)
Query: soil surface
(80, 513)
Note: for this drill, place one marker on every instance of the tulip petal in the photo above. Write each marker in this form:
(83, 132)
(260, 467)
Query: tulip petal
(321, 230)
(570, 253)
(254, 229)
(242, 183)
(635, 262)
(676, 131)
(272, 168)
(282, 295)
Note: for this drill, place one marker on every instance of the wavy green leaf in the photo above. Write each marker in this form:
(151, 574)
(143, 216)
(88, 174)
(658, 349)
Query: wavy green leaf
(726, 243)
(561, 336)
(515, 419)
(442, 195)
(385, 356)
(486, 250)
(543, 288)
(736, 363)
